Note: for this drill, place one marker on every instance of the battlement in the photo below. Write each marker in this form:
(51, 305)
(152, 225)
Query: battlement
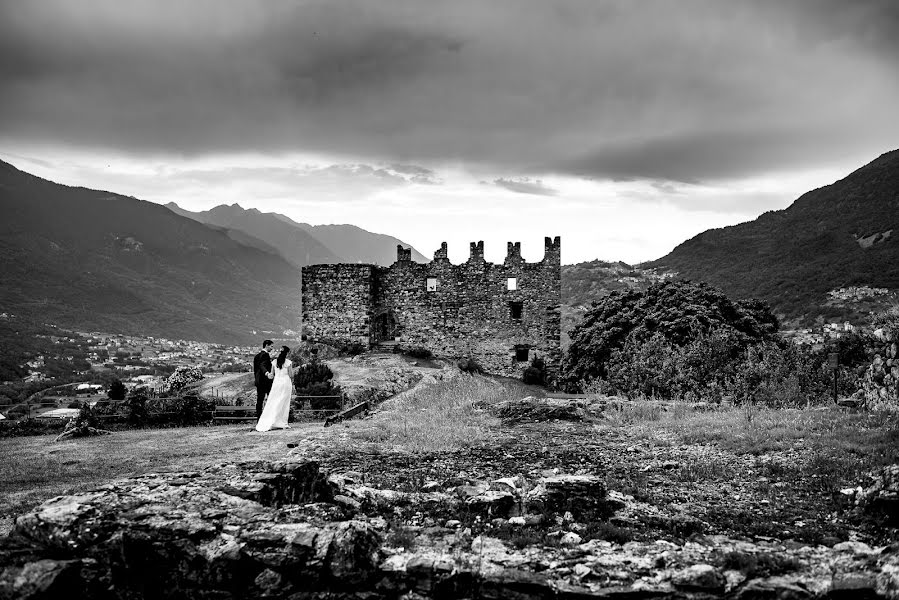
(552, 253)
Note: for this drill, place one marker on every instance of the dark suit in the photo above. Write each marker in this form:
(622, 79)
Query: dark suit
(262, 364)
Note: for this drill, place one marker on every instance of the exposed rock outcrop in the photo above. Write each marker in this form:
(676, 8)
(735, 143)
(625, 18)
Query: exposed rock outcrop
(286, 529)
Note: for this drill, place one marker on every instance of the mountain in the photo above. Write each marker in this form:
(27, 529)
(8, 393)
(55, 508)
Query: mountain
(297, 246)
(355, 244)
(96, 260)
(844, 234)
(300, 243)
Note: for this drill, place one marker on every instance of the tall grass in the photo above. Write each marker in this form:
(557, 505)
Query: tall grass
(443, 416)
(837, 446)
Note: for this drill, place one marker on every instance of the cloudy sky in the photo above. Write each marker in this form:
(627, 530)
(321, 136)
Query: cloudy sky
(624, 126)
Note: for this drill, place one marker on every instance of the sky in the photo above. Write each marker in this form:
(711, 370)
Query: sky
(625, 126)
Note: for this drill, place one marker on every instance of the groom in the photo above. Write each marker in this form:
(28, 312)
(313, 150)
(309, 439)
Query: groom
(262, 375)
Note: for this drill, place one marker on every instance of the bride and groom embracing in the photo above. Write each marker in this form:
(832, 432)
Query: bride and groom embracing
(275, 380)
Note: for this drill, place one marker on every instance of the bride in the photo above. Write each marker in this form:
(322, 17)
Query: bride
(274, 415)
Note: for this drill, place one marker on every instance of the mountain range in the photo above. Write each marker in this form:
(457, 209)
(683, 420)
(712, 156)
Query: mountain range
(96, 260)
(844, 234)
(300, 243)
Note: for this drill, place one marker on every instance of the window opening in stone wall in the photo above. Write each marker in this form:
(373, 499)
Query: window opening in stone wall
(432, 284)
(512, 283)
(521, 353)
(515, 309)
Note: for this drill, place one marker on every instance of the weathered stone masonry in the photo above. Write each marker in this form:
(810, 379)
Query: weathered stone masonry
(500, 314)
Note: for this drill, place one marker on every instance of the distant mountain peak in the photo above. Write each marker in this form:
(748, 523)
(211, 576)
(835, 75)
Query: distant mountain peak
(303, 244)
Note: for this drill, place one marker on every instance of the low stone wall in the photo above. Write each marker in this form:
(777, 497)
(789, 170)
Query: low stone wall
(880, 384)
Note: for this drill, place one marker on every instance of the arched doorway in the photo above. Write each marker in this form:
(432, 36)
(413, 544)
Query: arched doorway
(385, 326)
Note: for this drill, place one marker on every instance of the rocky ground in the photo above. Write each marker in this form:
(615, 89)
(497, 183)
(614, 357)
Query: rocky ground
(568, 499)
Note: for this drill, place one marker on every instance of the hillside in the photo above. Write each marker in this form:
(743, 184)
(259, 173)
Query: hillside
(300, 243)
(95, 260)
(582, 283)
(587, 281)
(843, 234)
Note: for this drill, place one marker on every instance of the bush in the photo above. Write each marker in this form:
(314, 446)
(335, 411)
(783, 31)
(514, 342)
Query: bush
(888, 321)
(86, 417)
(420, 352)
(853, 348)
(470, 366)
(181, 410)
(781, 375)
(671, 314)
(535, 374)
(136, 412)
(309, 374)
(314, 379)
(117, 390)
(181, 378)
(26, 427)
(351, 349)
(775, 374)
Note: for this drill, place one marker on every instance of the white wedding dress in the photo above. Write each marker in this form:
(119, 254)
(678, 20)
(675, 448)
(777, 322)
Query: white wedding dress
(274, 415)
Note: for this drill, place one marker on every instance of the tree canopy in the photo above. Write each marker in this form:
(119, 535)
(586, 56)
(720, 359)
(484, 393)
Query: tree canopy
(677, 310)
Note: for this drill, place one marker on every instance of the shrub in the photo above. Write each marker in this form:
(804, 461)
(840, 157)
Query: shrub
(888, 321)
(715, 365)
(309, 374)
(535, 374)
(181, 410)
(314, 379)
(351, 349)
(676, 313)
(420, 352)
(86, 417)
(181, 378)
(117, 390)
(26, 427)
(136, 412)
(853, 348)
(470, 366)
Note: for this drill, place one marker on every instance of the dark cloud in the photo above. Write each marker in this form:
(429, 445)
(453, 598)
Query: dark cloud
(525, 186)
(693, 90)
(699, 156)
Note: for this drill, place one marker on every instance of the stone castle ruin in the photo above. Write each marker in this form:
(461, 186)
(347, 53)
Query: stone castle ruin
(502, 315)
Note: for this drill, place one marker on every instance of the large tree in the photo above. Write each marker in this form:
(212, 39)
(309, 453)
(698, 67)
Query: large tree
(677, 310)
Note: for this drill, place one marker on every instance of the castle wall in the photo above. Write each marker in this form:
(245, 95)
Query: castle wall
(469, 312)
(337, 302)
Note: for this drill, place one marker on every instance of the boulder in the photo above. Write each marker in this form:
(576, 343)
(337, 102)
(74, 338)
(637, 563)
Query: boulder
(700, 577)
(881, 495)
(581, 494)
